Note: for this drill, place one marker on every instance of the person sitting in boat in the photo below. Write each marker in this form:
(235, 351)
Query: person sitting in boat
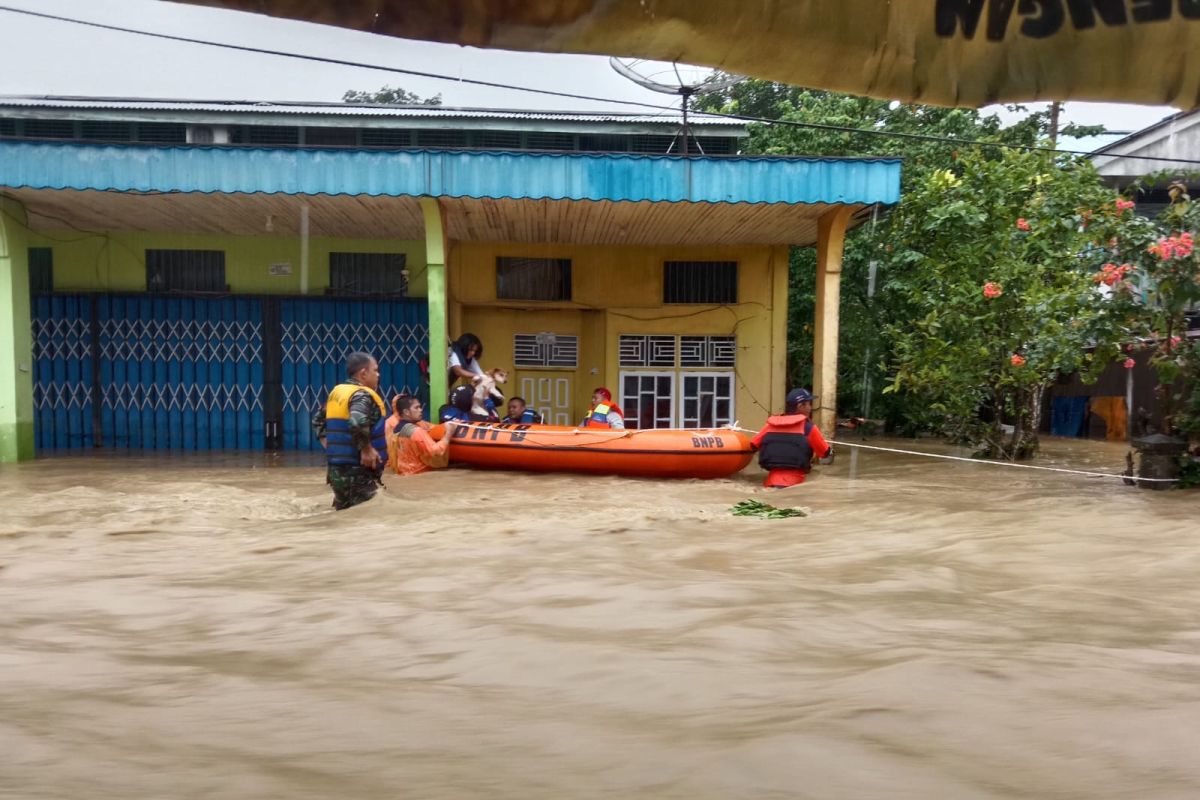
(789, 442)
(411, 450)
(459, 407)
(518, 414)
(462, 363)
(603, 414)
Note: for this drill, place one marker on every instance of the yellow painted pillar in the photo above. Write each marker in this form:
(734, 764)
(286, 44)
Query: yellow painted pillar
(831, 238)
(780, 266)
(16, 337)
(435, 270)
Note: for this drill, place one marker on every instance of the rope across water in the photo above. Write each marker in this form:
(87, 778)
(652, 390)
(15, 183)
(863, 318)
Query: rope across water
(620, 434)
(1087, 473)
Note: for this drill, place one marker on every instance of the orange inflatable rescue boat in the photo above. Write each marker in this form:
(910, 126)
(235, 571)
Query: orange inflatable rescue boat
(655, 453)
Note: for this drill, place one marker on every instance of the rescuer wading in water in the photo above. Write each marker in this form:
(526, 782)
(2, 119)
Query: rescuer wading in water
(351, 429)
(790, 441)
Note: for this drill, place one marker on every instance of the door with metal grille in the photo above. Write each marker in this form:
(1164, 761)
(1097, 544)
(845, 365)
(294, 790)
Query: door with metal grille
(195, 373)
(147, 372)
(181, 373)
(63, 372)
(317, 334)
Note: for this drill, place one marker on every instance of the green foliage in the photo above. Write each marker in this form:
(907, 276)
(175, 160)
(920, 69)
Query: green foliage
(1164, 277)
(995, 262)
(863, 350)
(1189, 473)
(388, 96)
(754, 508)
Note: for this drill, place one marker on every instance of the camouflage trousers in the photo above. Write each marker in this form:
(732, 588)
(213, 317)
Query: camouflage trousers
(352, 484)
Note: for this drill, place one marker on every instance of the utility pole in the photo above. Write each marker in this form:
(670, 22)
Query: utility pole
(1055, 108)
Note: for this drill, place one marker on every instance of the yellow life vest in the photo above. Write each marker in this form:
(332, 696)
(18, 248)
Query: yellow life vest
(339, 448)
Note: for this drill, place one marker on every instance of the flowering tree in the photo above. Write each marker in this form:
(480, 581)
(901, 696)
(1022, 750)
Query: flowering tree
(1162, 279)
(996, 260)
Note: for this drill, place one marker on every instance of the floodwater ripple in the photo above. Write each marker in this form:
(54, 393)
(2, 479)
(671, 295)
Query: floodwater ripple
(204, 627)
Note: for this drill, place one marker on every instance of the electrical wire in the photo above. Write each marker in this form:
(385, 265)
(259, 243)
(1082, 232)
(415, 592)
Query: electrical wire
(576, 96)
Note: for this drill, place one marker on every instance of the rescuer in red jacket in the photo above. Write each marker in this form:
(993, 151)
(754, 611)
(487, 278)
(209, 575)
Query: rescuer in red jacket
(790, 441)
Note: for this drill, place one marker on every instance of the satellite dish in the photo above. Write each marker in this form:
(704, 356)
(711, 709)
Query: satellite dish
(683, 80)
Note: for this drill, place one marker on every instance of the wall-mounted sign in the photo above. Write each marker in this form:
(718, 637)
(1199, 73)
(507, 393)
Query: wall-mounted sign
(280, 269)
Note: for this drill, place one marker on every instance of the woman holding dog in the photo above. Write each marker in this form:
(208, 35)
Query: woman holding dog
(463, 361)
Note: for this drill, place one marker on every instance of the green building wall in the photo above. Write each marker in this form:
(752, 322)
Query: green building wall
(116, 261)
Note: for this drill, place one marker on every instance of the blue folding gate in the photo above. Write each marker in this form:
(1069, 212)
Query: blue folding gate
(191, 373)
(64, 374)
(316, 335)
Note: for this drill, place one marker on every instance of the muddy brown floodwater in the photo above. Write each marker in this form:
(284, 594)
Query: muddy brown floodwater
(201, 627)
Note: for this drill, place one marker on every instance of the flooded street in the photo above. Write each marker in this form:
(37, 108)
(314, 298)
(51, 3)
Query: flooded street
(207, 628)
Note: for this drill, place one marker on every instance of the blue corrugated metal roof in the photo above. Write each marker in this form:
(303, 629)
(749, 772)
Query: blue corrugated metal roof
(552, 176)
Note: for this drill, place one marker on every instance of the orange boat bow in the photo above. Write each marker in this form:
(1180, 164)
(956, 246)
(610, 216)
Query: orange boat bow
(657, 453)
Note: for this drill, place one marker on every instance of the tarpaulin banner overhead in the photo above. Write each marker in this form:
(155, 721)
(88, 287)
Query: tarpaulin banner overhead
(944, 52)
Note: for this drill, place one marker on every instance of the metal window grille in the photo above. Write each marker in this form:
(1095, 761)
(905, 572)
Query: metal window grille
(102, 131)
(647, 351)
(385, 137)
(603, 143)
(268, 135)
(8, 127)
(41, 270)
(533, 278)
(331, 137)
(368, 274)
(545, 350)
(716, 145)
(441, 138)
(185, 271)
(162, 132)
(707, 351)
(651, 144)
(49, 129)
(700, 281)
(648, 399)
(498, 140)
(706, 400)
(544, 140)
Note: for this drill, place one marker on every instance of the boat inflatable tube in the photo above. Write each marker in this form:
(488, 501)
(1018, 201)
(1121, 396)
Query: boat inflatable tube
(657, 453)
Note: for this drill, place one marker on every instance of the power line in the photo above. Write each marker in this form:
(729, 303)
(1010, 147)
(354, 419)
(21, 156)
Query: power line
(573, 95)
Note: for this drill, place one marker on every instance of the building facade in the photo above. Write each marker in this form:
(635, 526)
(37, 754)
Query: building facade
(190, 275)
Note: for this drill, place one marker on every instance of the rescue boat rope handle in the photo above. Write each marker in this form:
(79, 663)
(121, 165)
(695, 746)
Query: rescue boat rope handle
(1122, 476)
(613, 434)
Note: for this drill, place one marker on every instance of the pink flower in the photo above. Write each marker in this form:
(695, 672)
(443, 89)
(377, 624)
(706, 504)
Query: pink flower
(992, 290)
(1178, 246)
(1022, 224)
(1129, 363)
(1124, 205)
(1017, 361)
(1109, 274)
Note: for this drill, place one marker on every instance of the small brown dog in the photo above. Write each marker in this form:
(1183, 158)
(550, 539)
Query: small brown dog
(486, 385)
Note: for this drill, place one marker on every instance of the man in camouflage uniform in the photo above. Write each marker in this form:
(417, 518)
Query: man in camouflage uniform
(350, 428)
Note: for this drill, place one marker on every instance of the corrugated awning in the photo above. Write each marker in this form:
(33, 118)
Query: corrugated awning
(455, 174)
(485, 196)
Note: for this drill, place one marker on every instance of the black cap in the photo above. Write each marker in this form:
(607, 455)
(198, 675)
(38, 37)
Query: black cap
(797, 396)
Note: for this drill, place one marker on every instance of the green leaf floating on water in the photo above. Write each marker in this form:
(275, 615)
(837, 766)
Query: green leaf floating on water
(754, 508)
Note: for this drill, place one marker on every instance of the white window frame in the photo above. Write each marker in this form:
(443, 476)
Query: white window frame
(672, 374)
(684, 374)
